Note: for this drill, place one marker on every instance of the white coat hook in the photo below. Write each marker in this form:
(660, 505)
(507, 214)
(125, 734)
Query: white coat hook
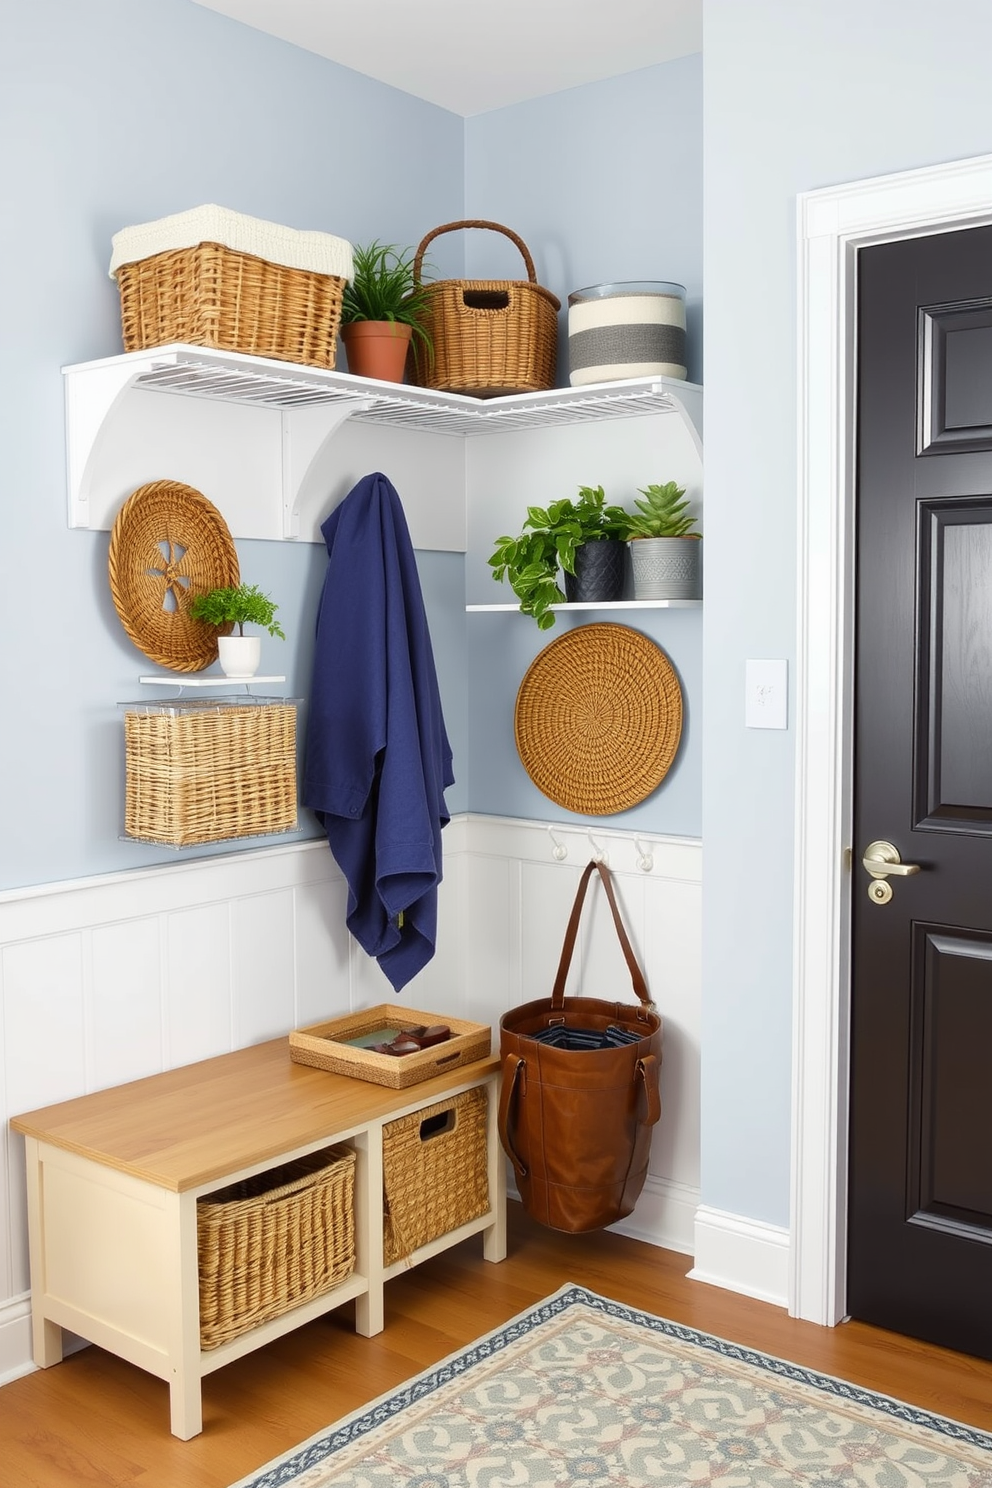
(645, 858)
(598, 854)
(559, 852)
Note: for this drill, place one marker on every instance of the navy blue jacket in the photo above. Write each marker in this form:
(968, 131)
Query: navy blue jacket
(377, 755)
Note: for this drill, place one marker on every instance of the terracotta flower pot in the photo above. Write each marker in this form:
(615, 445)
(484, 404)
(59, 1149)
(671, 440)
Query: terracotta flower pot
(377, 348)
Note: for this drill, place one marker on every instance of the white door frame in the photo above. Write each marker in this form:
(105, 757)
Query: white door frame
(833, 224)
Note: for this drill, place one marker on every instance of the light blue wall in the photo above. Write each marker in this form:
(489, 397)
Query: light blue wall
(796, 97)
(603, 183)
(115, 112)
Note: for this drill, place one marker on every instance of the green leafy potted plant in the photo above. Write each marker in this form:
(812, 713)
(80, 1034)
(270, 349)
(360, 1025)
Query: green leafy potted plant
(573, 536)
(665, 553)
(242, 605)
(382, 309)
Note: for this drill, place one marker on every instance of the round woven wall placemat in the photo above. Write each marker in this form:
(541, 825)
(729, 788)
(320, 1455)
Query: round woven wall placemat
(598, 719)
(167, 544)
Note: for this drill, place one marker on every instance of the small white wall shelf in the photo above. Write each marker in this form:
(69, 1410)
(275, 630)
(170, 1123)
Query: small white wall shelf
(112, 429)
(180, 679)
(616, 604)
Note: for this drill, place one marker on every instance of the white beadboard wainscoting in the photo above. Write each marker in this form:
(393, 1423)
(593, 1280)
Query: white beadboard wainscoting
(108, 979)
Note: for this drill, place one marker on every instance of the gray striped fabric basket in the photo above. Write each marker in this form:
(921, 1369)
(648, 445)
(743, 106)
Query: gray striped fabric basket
(633, 329)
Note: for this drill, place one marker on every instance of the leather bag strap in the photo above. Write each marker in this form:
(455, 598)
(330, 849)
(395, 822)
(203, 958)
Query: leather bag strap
(514, 1069)
(647, 1068)
(636, 975)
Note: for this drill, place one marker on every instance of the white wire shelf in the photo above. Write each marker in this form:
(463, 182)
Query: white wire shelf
(231, 377)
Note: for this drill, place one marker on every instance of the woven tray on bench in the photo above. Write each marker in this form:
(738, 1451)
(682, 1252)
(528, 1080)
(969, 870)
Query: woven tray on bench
(325, 1046)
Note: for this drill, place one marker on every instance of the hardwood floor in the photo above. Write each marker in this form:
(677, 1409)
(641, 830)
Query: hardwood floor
(96, 1422)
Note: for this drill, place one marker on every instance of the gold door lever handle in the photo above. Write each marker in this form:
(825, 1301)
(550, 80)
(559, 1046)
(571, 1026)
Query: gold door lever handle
(881, 859)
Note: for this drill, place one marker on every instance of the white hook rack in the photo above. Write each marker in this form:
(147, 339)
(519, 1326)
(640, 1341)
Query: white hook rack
(559, 852)
(598, 853)
(645, 857)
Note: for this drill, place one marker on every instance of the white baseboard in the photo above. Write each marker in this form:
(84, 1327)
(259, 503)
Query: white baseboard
(742, 1255)
(15, 1339)
(665, 1215)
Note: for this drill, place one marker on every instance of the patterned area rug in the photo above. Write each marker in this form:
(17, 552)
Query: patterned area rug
(584, 1392)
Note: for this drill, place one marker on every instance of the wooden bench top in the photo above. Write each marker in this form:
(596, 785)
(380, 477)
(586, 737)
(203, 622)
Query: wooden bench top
(189, 1126)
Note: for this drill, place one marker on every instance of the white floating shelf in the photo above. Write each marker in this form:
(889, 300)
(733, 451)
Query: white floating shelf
(617, 604)
(176, 679)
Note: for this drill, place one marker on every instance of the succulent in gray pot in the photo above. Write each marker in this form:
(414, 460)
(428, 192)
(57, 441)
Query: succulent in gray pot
(583, 542)
(665, 554)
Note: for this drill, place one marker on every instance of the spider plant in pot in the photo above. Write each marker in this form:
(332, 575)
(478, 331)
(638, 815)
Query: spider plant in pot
(665, 554)
(584, 540)
(245, 604)
(382, 310)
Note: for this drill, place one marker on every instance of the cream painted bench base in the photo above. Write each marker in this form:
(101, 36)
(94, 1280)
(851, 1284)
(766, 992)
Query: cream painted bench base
(113, 1180)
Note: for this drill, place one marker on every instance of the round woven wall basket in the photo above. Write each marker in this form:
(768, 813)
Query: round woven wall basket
(598, 719)
(168, 544)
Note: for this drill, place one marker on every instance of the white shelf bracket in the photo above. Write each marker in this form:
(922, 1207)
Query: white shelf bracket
(91, 396)
(688, 399)
(307, 435)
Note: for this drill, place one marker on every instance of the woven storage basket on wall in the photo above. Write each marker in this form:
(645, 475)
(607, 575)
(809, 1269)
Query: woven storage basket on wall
(598, 719)
(435, 1174)
(274, 1241)
(205, 770)
(490, 336)
(168, 542)
(210, 277)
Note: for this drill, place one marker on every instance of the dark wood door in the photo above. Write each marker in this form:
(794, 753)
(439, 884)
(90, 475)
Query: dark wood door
(920, 1222)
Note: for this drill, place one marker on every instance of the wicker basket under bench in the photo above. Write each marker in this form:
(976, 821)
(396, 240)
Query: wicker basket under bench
(141, 1195)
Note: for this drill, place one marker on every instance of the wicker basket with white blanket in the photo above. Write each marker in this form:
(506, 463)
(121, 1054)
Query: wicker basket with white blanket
(212, 277)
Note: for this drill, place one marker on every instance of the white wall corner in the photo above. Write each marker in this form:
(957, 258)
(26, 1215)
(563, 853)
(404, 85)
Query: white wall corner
(741, 1255)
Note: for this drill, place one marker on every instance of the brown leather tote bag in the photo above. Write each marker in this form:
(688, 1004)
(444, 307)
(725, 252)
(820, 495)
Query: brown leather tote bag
(576, 1123)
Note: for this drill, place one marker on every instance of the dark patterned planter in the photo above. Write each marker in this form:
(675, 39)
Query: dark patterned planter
(601, 571)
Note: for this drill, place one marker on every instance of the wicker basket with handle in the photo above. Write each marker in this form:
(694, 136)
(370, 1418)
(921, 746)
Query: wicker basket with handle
(490, 336)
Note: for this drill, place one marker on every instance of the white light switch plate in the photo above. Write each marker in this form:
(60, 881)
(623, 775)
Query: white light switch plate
(766, 694)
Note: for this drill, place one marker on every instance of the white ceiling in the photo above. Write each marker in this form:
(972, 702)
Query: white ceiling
(470, 56)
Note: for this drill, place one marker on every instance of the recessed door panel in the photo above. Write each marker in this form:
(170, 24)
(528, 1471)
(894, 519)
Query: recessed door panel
(954, 665)
(950, 1092)
(955, 360)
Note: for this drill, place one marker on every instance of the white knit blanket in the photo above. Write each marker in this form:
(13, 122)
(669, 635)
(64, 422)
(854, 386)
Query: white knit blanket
(316, 252)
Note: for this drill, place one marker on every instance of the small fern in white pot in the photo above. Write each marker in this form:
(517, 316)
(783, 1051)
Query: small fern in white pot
(245, 604)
